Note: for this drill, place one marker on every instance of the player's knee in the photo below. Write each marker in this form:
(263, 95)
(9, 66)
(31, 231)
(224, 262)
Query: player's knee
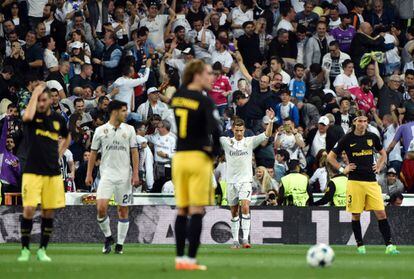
(48, 213)
(381, 215)
(356, 216)
(123, 212)
(102, 211)
(245, 209)
(29, 212)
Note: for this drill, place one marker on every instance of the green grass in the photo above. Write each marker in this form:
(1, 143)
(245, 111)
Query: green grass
(156, 261)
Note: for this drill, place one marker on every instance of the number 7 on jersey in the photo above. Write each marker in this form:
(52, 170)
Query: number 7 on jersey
(183, 115)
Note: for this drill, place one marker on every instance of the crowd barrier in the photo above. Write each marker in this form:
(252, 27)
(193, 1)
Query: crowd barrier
(168, 199)
(269, 225)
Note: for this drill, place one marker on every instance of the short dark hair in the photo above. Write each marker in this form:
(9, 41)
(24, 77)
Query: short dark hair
(344, 99)
(297, 66)
(84, 66)
(334, 43)
(409, 72)
(8, 69)
(301, 29)
(285, 9)
(237, 95)
(217, 66)
(277, 58)
(293, 165)
(244, 25)
(142, 31)
(46, 40)
(126, 70)
(116, 105)
(283, 153)
(238, 122)
(30, 78)
(281, 31)
(102, 99)
(52, 7)
(346, 63)
(78, 100)
(11, 105)
(365, 80)
(179, 28)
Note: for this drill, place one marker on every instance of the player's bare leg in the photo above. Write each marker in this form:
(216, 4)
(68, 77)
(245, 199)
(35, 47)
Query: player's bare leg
(235, 226)
(356, 228)
(385, 230)
(104, 224)
(245, 223)
(123, 226)
(26, 226)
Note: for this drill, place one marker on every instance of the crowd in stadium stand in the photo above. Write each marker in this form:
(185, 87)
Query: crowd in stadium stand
(316, 63)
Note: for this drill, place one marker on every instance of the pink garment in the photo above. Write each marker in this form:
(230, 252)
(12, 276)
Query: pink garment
(221, 85)
(365, 101)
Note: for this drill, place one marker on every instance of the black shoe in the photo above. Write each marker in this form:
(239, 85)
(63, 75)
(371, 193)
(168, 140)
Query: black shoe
(119, 249)
(108, 245)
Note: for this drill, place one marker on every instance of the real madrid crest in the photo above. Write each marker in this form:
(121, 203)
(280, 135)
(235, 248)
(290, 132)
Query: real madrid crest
(56, 125)
(124, 135)
(369, 142)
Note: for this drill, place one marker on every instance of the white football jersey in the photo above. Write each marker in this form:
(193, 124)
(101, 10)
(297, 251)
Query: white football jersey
(239, 156)
(115, 146)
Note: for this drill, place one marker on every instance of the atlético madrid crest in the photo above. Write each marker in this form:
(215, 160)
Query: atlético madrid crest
(56, 125)
(369, 142)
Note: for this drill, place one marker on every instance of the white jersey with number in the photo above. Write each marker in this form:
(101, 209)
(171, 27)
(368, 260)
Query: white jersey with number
(239, 156)
(115, 146)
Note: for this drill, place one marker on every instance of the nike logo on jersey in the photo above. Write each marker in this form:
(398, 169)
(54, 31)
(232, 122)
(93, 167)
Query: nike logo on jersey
(352, 144)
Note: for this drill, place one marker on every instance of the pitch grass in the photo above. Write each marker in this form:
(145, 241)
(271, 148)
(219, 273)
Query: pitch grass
(156, 261)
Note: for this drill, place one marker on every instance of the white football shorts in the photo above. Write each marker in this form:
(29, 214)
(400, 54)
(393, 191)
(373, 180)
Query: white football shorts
(238, 191)
(122, 191)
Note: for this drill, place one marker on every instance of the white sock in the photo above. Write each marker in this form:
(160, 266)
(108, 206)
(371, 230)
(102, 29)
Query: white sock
(104, 225)
(235, 227)
(245, 223)
(123, 225)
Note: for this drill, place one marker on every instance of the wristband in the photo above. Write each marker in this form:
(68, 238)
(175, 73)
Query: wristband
(341, 169)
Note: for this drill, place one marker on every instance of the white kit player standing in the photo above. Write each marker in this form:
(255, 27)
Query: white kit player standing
(117, 143)
(239, 175)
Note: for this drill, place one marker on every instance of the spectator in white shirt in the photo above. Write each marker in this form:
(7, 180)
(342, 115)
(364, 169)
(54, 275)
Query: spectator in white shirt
(221, 54)
(126, 84)
(51, 62)
(152, 106)
(156, 23)
(240, 15)
(180, 19)
(345, 80)
(288, 16)
(164, 144)
(203, 40)
(35, 11)
(179, 63)
(146, 158)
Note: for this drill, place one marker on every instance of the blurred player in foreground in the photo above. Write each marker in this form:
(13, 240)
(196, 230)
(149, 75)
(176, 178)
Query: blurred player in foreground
(363, 190)
(192, 166)
(42, 181)
(117, 143)
(239, 173)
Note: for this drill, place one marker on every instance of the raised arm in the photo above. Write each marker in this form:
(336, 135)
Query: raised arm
(380, 81)
(30, 110)
(242, 67)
